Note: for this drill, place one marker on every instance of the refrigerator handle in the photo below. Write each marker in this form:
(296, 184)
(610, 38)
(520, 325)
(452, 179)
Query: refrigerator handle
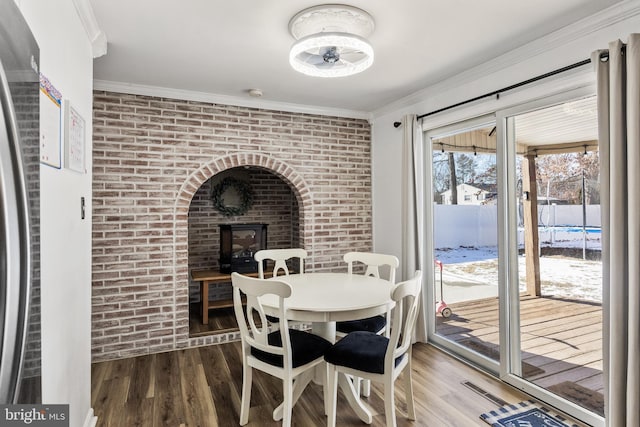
(15, 251)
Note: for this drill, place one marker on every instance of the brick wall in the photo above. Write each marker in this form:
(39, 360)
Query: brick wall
(152, 155)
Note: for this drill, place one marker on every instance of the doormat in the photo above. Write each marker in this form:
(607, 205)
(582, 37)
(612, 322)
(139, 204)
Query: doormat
(580, 395)
(525, 414)
(493, 352)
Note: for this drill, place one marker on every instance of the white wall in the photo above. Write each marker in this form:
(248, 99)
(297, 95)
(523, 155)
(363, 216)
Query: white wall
(67, 60)
(567, 46)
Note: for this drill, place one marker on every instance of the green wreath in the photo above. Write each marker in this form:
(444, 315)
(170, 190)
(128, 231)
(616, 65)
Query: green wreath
(244, 192)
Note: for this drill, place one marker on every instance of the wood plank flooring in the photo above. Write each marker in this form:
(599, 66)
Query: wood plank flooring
(561, 341)
(201, 387)
(561, 337)
(220, 320)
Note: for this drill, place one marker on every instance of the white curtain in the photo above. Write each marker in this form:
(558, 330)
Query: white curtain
(412, 215)
(619, 146)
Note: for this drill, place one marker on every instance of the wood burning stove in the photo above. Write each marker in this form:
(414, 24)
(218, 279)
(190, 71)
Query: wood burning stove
(238, 245)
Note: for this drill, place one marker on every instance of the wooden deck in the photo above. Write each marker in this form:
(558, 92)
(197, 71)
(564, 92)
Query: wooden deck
(561, 342)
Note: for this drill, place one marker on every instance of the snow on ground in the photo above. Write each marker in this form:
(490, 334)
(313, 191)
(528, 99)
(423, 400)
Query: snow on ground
(472, 272)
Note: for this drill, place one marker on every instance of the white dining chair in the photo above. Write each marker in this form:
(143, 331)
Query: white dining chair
(373, 262)
(377, 324)
(280, 257)
(378, 358)
(288, 354)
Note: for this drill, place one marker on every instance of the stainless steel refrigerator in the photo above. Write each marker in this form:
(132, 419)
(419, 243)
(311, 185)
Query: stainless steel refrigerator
(19, 210)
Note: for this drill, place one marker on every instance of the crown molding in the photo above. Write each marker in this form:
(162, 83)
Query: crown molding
(97, 37)
(187, 95)
(579, 29)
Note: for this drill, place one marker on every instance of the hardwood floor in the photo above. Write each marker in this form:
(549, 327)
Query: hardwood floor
(220, 320)
(201, 387)
(561, 341)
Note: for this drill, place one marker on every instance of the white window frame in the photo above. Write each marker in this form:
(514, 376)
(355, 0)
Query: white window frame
(561, 88)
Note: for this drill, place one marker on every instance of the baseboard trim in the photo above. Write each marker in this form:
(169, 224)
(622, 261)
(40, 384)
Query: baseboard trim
(90, 420)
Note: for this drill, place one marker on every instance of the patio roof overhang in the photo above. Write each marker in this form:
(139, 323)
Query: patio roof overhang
(564, 128)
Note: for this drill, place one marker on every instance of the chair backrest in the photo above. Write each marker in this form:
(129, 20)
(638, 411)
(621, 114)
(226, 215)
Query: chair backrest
(280, 256)
(407, 297)
(254, 334)
(373, 263)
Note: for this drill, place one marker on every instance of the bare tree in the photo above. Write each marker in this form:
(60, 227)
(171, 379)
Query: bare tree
(440, 175)
(562, 174)
(452, 179)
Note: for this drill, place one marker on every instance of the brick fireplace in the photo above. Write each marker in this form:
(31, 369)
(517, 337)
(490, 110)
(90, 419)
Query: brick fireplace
(275, 203)
(152, 156)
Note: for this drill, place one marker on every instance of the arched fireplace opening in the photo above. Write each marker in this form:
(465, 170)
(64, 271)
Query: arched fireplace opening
(239, 195)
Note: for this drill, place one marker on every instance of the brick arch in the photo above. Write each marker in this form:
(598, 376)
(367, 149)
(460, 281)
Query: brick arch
(181, 225)
(279, 168)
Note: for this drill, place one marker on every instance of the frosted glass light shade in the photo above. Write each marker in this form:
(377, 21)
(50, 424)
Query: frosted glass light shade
(331, 40)
(354, 55)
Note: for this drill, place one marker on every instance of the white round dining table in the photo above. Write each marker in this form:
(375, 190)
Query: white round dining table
(325, 298)
(332, 297)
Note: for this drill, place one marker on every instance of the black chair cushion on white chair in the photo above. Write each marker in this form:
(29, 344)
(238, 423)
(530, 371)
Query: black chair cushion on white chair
(361, 350)
(305, 347)
(371, 324)
(290, 355)
(375, 357)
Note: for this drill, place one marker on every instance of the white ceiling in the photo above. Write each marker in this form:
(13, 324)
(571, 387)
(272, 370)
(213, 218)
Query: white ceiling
(227, 47)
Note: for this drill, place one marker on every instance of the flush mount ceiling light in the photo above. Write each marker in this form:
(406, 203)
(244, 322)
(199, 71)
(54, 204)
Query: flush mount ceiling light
(331, 41)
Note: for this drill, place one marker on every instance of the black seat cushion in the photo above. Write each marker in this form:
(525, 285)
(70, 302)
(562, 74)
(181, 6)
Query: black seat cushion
(371, 324)
(272, 319)
(360, 350)
(305, 347)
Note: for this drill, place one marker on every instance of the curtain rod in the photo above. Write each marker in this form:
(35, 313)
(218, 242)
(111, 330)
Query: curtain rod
(603, 55)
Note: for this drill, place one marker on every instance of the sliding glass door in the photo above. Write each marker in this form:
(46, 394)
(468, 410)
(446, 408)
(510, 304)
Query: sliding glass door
(464, 197)
(513, 226)
(553, 292)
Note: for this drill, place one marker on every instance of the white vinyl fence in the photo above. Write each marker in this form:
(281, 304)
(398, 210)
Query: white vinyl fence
(465, 225)
(567, 215)
(477, 225)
